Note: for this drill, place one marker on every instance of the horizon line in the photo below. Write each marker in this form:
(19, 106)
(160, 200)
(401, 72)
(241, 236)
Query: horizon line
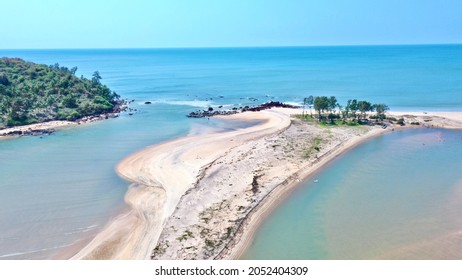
(238, 47)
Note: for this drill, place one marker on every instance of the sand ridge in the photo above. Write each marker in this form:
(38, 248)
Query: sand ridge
(161, 175)
(203, 196)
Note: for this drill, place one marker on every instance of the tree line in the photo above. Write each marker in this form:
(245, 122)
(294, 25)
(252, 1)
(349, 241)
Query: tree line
(354, 110)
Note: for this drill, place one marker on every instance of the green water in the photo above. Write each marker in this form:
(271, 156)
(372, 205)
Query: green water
(396, 197)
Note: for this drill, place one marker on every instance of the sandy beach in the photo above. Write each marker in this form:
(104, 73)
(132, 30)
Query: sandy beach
(49, 127)
(38, 127)
(203, 196)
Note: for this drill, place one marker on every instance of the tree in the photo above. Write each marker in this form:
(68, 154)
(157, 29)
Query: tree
(363, 107)
(73, 70)
(4, 79)
(96, 77)
(321, 103)
(381, 109)
(352, 106)
(19, 111)
(344, 112)
(309, 102)
(332, 104)
(70, 101)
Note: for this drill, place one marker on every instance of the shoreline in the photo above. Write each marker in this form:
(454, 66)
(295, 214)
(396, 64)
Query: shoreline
(279, 195)
(38, 128)
(50, 127)
(242, 241)
(165, 175)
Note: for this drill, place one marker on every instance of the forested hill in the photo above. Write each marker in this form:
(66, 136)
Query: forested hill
(31, 93)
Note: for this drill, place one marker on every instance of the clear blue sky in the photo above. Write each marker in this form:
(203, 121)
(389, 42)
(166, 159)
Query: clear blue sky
(219, 23)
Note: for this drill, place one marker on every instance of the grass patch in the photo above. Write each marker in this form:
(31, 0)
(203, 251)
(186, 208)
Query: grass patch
(313, 148)
(187, 234)
(307, 118)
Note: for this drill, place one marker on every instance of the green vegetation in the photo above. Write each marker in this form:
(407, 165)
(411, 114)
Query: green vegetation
(347, 115)
(313, 148)
(308, 101)
(187, 234)
(31, 93)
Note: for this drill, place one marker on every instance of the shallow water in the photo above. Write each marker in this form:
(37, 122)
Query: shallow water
(395, 197)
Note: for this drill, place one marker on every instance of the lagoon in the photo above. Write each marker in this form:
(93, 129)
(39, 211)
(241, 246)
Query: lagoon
(398, 196)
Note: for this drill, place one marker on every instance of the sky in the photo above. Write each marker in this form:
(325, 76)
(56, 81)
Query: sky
(51, 24)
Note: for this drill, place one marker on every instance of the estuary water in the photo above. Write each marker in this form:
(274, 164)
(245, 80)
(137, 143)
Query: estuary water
(398, 196)
(61, 189)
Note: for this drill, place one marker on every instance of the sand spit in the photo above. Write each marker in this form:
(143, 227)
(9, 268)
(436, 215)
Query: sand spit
(162, 174)
(203, 196)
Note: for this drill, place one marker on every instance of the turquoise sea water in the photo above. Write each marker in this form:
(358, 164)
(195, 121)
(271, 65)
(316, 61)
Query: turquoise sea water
(62, 188)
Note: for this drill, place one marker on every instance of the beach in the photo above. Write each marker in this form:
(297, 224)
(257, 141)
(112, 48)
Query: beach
(203, 196)
(39, 128)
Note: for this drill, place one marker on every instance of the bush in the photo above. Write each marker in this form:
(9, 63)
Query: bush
(353, 123)
(68, 115)
(20, 121)
(70, 101)
(333, 116)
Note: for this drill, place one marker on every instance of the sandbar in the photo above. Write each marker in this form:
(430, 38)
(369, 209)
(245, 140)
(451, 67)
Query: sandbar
(204, 196)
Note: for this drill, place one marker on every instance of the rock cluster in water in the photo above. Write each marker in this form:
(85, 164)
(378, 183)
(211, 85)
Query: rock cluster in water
(30, 132)
(210, 112)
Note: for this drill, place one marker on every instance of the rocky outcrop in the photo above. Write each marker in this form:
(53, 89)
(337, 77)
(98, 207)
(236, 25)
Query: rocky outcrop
(30, 132)
(210, 112)
(269, 105)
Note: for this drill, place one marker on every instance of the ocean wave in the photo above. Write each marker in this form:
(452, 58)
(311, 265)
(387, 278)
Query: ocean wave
(294, 103)
(38, 251)
(192, 103)
(82, 229)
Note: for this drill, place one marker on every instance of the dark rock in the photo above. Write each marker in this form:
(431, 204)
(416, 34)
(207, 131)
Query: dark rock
(269, 105)
(211, 112)
(148, 102)
(29, 132)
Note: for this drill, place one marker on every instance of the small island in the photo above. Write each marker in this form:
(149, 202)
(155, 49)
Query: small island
(36, 93)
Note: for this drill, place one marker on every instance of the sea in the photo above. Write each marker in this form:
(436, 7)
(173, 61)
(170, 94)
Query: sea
(59, 191)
